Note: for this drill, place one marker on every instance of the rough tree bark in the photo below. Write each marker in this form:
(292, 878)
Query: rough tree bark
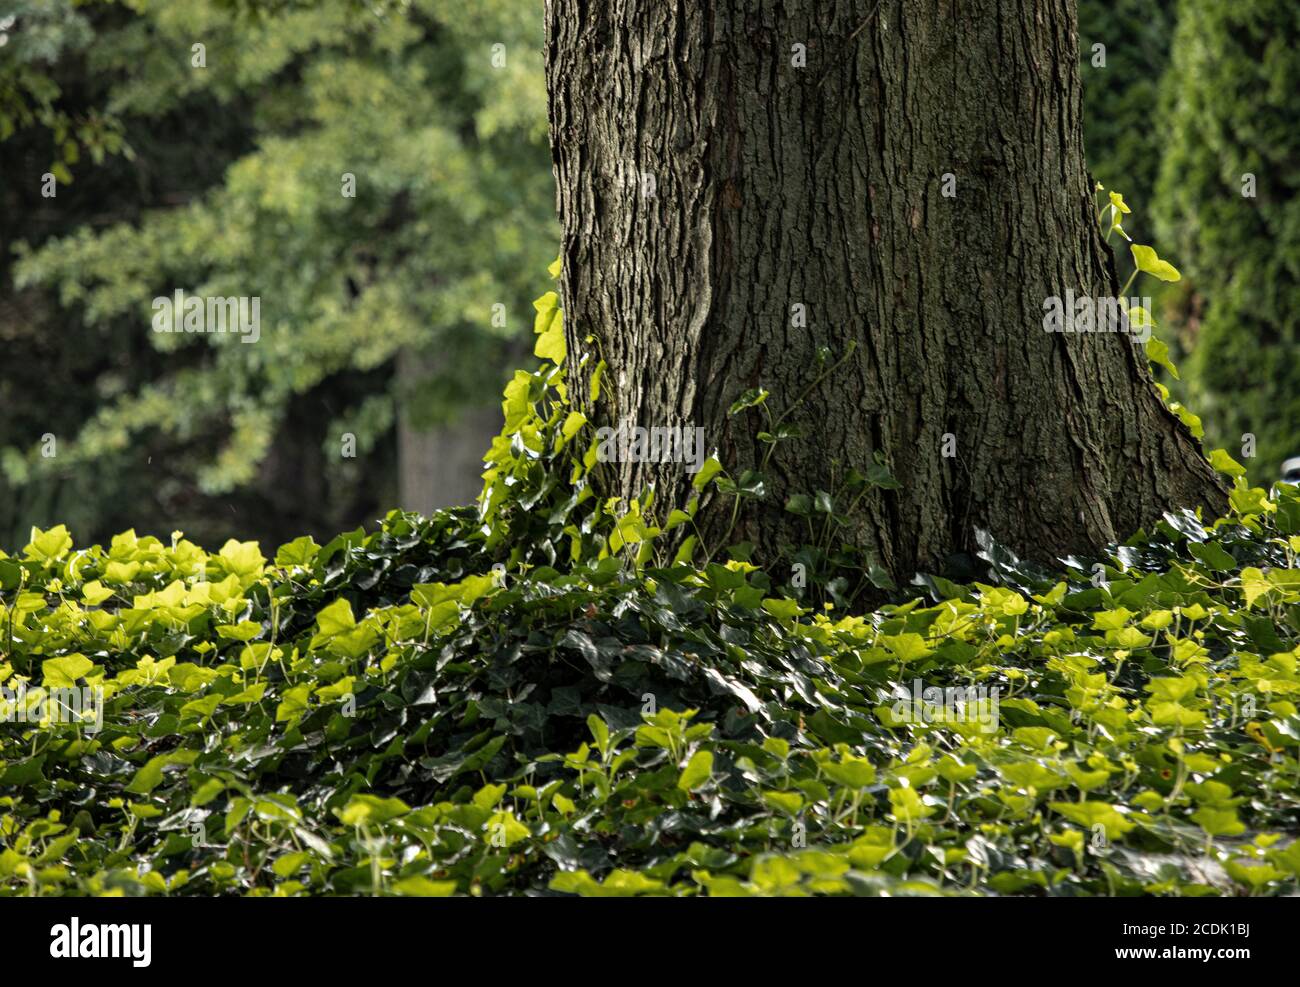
(707, 183)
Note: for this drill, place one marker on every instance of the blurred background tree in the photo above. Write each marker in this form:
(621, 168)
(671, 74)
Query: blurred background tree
(377, 173)
(1228, 205)
(1121, 96)
(1194, 97)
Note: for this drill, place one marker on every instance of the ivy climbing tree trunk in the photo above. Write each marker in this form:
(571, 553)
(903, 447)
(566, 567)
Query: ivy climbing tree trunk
(748, 185)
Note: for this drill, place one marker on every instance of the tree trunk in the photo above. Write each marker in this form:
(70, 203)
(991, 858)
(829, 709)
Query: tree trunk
(440, 465)
(708, 184)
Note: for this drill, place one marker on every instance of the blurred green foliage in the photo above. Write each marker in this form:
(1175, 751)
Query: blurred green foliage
(231, 178)
(1193, 97)
(1231, 111)
(1120, 97)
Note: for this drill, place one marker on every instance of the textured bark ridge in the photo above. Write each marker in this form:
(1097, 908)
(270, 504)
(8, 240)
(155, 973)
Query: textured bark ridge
(707, 184)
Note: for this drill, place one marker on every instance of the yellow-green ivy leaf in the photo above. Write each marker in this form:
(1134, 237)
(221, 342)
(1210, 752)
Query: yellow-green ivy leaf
(1149, 262)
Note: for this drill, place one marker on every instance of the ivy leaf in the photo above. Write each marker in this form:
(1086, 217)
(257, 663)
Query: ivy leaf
(781, 608)
(697, 771)
(878, 473)
(363, 810)
(752, 398)
(1149, 262)
(750, 485)
(334, 619)
(799, 504)
(1224, 463)
(62, 673)
(1212, 556)
(49, 545)
(708, 471)
(1158, 352)
(298, 552)
(906, 647)
(1218, 822)
(242, 558)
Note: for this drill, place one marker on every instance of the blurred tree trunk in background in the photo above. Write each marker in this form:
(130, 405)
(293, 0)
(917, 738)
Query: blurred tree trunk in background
(747, 186)
(440, 465)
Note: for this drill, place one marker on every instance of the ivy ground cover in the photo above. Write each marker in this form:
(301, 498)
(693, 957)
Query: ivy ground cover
(389, 714)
